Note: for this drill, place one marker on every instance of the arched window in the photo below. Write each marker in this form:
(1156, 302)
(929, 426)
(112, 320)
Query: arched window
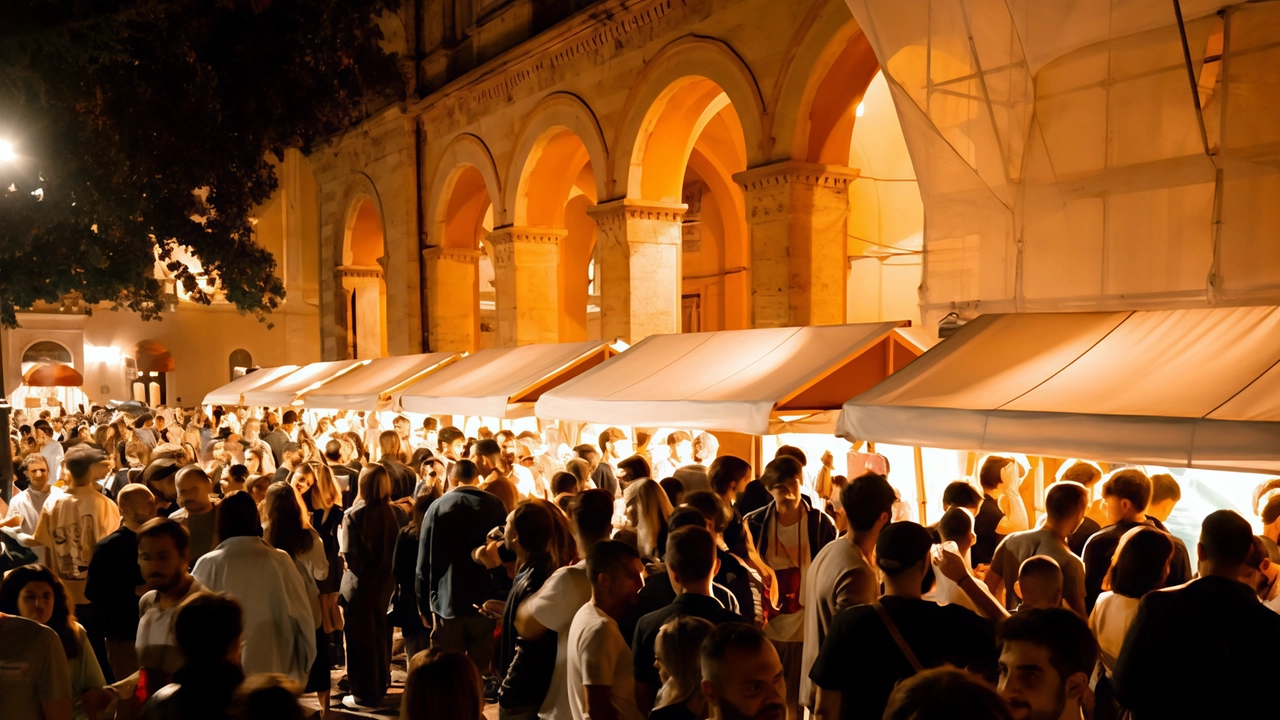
(46, 351)
(240, 361)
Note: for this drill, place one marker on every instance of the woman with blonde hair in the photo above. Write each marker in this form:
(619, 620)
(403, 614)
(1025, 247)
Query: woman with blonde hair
(678, 649)
(323, 498)
(648, 508)
(442, 685)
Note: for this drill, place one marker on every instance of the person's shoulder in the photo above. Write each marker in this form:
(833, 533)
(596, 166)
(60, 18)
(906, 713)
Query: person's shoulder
(148, 600)
(853, 617)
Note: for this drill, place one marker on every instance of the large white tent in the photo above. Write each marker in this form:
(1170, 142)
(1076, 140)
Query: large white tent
(1088, 154)
(502, 382)
(377, 385)
(747, 381)
(1177, 388)
(233, 392)
(282, 391)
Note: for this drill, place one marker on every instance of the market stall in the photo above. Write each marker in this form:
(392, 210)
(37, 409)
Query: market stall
(756, 382)
(375, 386)
(502, 383)
(1174, 388)
(233, 392)
(284, 390)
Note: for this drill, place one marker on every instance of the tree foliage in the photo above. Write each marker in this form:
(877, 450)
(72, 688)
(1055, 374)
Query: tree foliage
(144, 125)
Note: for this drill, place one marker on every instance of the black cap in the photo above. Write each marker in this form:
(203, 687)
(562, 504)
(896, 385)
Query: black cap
(902, 545)
(158, 470)
(82, 457)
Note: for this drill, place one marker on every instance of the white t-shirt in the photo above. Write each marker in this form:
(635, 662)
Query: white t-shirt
(71, 525)
(554, 606)
(785, 554)
(1110, 620)
(598, 655)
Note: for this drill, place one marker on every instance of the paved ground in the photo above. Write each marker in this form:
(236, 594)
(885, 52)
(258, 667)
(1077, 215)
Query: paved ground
(390, 707)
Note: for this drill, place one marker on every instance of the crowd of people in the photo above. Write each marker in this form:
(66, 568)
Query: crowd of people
(172, 564)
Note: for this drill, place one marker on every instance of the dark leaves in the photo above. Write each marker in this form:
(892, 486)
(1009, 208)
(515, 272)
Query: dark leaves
(122, 110)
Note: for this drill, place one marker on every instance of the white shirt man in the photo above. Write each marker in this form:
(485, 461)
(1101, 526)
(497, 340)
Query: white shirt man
(24, 509)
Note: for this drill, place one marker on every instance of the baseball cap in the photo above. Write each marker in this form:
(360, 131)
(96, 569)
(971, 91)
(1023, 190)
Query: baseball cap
(82, 457)
(902, 545)
(158, 470)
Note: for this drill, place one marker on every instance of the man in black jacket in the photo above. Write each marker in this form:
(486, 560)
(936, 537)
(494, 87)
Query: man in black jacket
(1213, 630)
(451, 586)
(1126, 494)
(691, 561)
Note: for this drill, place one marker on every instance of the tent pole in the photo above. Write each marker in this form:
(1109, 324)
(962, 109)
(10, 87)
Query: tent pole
(920, 491)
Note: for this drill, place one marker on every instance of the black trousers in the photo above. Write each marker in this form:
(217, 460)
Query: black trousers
(91, 619)
(368, 638)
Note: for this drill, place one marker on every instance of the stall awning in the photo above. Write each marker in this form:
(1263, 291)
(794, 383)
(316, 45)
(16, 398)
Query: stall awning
(749, 381)
(377, 385)
(52, 375)
(502, 382)
(233, 392)
(282, 391)
(1196, 387)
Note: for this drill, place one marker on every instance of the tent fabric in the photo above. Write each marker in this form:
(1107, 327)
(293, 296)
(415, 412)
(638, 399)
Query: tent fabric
(233, 392)
(374, 386)
(283, 390)
(495, 382)
(1065, 162)
(1193, 387)
(731, 380)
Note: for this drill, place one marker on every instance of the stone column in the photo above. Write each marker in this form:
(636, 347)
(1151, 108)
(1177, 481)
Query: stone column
(453, 311)
(526, 269)
(798, 213)
(638, 268)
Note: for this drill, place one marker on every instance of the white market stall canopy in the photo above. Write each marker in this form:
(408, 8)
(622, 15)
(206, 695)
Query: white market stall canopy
(1197, 388)
(749, 381)
(282, 391)
(376, 385)
(502, 382)
(233, 392)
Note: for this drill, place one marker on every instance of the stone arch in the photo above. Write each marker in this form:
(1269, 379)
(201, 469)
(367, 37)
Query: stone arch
(554, 115)
(465, 201)
(362, 277)
(663, 79)
(464, 150)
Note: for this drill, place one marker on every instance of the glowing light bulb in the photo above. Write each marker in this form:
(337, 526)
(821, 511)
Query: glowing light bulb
(6, 151)
(862, 109)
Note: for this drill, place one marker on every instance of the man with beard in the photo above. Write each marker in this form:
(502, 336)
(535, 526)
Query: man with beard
(1046, 658)
(163, 549)
(742, 675)
(599, 669)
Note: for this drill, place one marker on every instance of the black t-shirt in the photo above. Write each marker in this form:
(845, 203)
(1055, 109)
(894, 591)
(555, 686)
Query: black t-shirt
(984, 527)
(604, 479)
(1081, 536)
(113, 579)
(402, 478)
(860, 659)
(642, 645)
(525, 666)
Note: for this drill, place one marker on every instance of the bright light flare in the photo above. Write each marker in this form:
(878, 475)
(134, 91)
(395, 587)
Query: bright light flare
(6, 151)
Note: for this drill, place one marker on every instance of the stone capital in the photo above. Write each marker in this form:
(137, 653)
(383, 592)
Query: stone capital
(373, 272)
(617, 212)
(525, 246)
(796, 172)
(461, 255)
(513, 234)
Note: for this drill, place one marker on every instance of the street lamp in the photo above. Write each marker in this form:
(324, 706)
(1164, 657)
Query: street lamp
(6, 151)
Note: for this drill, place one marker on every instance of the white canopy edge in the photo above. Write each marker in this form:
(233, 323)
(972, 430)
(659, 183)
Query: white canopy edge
(232, 393)
(1177, 388)
(486, 383)
(282, 391)
(729, 380)
(377, 386)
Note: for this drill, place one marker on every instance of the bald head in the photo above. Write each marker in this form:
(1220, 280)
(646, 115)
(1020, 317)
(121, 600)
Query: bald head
(194, 487)
(137, 505)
